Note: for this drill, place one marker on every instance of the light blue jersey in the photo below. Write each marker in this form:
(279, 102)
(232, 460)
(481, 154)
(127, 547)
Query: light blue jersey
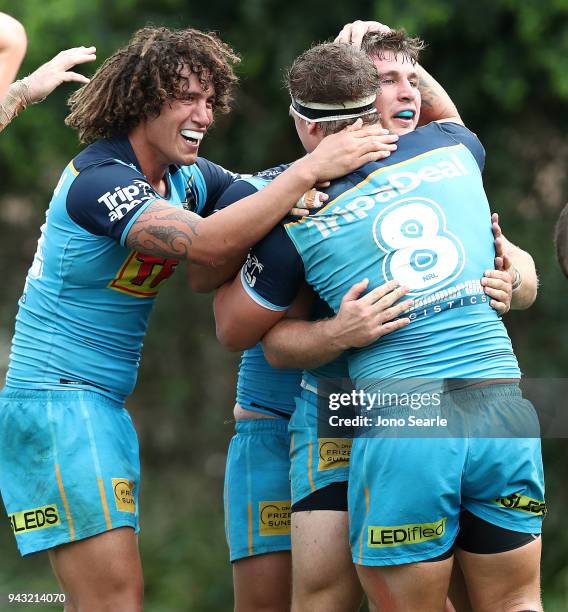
(438, 243)
(85, 306)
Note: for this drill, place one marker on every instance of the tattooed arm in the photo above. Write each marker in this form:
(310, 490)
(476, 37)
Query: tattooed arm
(166, 231)
(436, 103)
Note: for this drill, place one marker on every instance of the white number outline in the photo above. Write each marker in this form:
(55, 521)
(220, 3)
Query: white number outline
(442, 231)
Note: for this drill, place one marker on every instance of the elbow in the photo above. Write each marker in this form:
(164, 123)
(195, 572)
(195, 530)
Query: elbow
(274, 358)
(229, 339)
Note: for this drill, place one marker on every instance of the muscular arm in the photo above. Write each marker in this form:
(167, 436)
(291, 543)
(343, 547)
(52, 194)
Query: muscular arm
(13, 44)
(436, 103)
(295, 343)
(164, 231)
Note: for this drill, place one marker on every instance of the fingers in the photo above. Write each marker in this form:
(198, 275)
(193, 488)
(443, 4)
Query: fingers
(382, 290)
(507, 263)
(388, 328)
(499, 307)
(299, 212)
(355, 291)
(498, 243)
(353, 32)
(312, 199)
(68, 77)
(357, 125)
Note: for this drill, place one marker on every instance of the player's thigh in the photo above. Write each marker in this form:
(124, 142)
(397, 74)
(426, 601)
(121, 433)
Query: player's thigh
(505, 582)
(413, 586)
(101, 573)
(262, 582)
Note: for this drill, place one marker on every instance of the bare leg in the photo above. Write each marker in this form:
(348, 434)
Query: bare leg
(263, 583)
(504, 582)
(323, 575)
(102, 573)
(420, 587)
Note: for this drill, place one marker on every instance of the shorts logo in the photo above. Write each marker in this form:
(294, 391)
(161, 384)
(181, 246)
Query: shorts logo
(141, 275)
(333, 453)
(401, 535)
(123, 495)
(522, 503)
(252, 269)
(37, 518)
(274, 518)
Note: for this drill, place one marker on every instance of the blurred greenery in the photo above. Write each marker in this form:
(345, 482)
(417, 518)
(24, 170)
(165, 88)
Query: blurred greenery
(505, 63)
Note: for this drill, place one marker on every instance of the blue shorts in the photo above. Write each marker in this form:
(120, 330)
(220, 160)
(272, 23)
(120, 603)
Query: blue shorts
(257, 488)
(315, 462)
(69, 466)
(406, 493)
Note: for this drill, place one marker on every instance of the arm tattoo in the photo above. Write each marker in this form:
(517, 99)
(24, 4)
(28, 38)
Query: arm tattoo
(164, 231)
(427, 92)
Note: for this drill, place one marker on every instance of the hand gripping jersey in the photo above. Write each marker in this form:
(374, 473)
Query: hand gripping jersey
(260, 387)
(420, 217)
(87, 298)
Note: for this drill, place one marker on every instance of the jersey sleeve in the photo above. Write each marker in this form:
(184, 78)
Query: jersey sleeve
(236, 191)
(273, 272)
(217, 181)
(106, 199)
(461, 134)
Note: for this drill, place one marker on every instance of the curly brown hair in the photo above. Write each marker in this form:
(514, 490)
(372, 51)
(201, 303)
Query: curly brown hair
(376, 44)
(133, 83)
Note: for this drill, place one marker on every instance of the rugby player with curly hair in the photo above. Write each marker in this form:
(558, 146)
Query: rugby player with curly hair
(126, 210)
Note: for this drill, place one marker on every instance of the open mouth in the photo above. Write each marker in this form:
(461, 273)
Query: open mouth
(405, 114)
(192, 136)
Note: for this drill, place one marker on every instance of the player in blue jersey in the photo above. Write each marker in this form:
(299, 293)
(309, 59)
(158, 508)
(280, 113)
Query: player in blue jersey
(257, 495)
(502, 500)
(124, 213)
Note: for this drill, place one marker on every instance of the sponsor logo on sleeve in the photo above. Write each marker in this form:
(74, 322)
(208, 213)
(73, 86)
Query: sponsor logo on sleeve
(124, 495)
(401, 535)
(34, 519)
(123, 199)
(274, 518)
(522, 503)
(333, 453)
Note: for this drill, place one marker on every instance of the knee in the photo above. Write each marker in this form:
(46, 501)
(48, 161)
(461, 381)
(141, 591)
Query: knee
(119, 593)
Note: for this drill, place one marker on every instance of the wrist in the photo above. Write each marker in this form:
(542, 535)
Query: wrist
(305, 170)
(517, 280)
(333, 335)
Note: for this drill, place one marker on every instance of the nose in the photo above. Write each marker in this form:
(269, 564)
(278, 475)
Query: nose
(202, 114)
(406, 91)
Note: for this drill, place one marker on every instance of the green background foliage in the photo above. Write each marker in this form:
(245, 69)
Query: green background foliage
(505, 63)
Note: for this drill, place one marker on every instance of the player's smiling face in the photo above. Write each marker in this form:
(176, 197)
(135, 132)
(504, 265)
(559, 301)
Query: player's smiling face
(399, 99)
(176, 133)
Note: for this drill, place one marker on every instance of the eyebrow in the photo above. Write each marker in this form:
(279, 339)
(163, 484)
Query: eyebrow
(396, 73)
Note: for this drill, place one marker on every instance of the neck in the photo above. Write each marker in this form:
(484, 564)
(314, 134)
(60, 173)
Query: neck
(152, 163)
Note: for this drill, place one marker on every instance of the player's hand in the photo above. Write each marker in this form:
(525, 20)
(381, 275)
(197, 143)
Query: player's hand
(13, 44)
(51, 74)
(352, 33)
(502, 261)
(362, 320)
(341, 153)
(311, 200)
(498, 285)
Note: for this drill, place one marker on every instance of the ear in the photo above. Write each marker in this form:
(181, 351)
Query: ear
(313, 128)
